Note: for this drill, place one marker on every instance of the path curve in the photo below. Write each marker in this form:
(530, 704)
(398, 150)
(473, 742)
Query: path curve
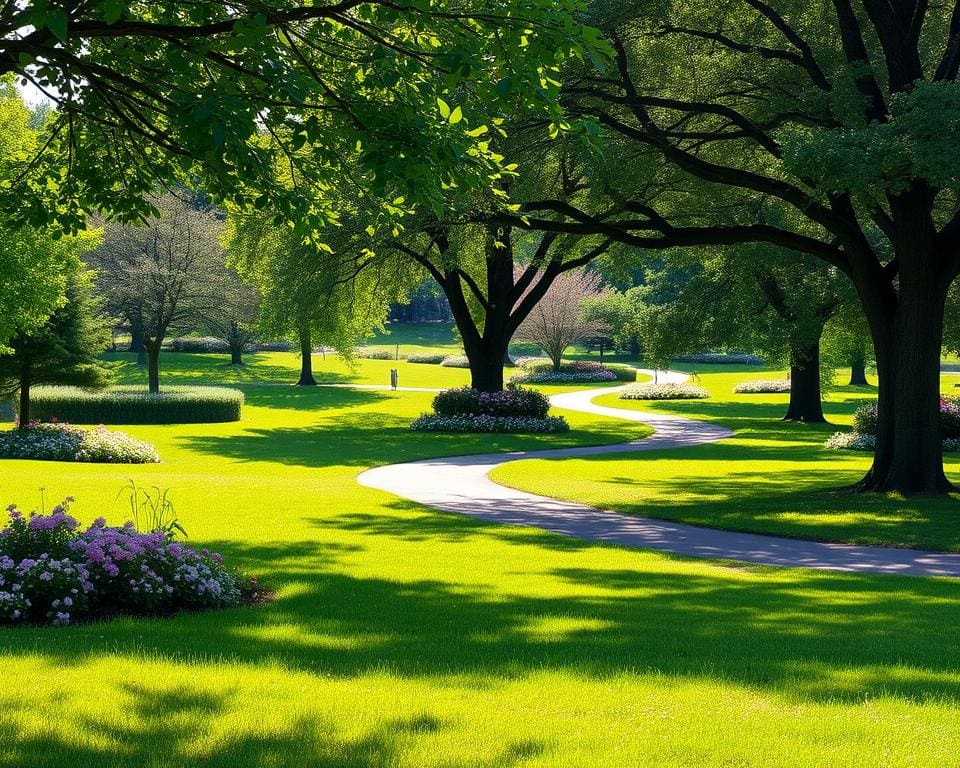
(461, 484)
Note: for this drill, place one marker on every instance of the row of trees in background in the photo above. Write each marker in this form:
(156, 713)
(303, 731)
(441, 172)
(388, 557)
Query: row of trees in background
(469, 143)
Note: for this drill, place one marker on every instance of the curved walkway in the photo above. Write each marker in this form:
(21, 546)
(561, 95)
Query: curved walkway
(461, 484)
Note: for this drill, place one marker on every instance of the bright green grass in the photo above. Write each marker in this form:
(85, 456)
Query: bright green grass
(418, 337)
(771, 477)
(402, 637)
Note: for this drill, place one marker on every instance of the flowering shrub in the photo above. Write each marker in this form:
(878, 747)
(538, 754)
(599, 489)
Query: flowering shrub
(565, 377)
(859, 441)
(455, 361)
(372, 353)
(64, 442)
(538, 370)
(199, 344)
(134, 405)
(486, 423)
(425, 358)
(651, 391)
(52, 572)
(469, 410)
(512, 401)
(865, 418)
(762, 387)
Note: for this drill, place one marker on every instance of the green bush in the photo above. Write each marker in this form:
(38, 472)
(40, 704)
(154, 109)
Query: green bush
(455, 361)
(371, 353)
(427, 359)
(134, 405)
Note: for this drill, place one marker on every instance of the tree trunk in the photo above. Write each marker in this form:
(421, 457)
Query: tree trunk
(906, 323)
(306, 359)
(486, 365)
(805, 399)
(236, 354)
(909, 455)
(153, 364)
(23, 417)
(136, 338)
(858, 372)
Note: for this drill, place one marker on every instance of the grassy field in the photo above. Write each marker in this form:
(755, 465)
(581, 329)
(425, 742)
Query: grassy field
(771, 477)
(403, 637)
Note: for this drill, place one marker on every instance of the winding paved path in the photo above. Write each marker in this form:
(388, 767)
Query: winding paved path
(461, 484)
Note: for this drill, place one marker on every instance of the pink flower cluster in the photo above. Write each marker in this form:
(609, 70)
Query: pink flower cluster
(52, 572)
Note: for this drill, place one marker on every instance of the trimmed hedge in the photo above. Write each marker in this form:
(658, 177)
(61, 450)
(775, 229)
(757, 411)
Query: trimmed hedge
(455, 361)
(134, 405)
(719, 358)
(425, 359)
(651, 391)
(198, 344)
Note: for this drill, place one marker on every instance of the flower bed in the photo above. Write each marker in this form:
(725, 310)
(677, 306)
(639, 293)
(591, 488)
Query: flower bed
(541, 371)
(468, 410)
(52, 572)
(425, 359)
(865, 418)
(859, 441)
(197, 344)
(371, 353)
(650, 391)
(512, 401)
(565, 377)
(486, 423)
(455, 361)
(762, 387)
(135, 405)
(64, 442)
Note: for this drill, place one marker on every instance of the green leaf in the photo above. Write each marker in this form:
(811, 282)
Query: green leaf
(57, 23)
(456, 116)
(444, 108)
(479, 131)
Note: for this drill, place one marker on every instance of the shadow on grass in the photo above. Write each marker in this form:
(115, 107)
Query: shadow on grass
(174, 723)
(808, 636)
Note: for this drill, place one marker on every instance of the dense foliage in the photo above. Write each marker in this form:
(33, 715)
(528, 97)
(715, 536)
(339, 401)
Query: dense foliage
(537, 371)
(63, 442)
(135, 405)
(54, 572)
(425, 358)
(484, 423)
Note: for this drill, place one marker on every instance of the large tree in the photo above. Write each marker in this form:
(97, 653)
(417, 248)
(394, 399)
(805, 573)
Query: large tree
(825, 127)
(317, 295)
(169, 276)
(148, 92)
(35, 264)
(64, 350)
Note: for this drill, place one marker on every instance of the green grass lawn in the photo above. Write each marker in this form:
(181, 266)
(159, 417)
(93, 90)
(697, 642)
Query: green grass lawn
(771, 477)
(406, 637)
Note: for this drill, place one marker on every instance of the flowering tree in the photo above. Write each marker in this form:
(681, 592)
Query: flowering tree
(558, 319)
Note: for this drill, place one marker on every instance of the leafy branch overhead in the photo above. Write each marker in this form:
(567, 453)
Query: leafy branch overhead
(159, 92)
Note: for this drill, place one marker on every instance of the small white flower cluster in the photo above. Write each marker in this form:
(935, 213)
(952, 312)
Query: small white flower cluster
(651, 391)
(63, 442)
(859, 441)
(762, 387)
